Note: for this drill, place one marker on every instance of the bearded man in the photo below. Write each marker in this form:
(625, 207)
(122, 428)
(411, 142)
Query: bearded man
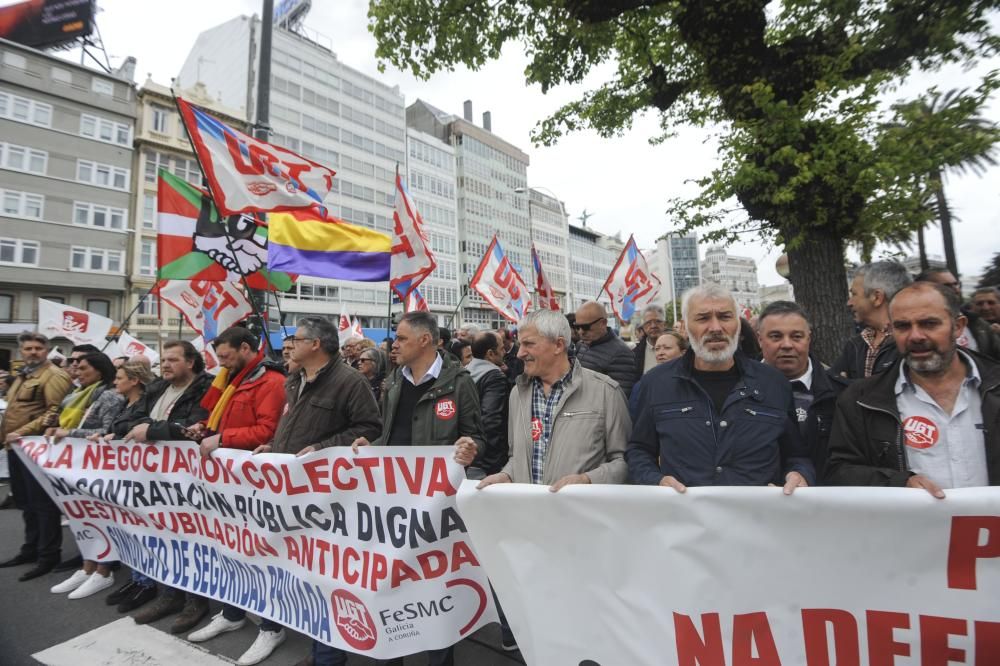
(716, 417)
(927, 422)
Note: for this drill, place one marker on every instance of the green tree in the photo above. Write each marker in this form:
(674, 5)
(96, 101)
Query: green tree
(945, 131)
(795, 88)
(991, 273)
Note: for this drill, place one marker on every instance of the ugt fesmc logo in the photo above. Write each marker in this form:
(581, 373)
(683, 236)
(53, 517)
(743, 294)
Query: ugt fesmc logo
(354, 622)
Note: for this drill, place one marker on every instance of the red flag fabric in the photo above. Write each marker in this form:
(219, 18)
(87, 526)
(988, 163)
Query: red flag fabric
(500, 285)
(546, 296)
(412, 258)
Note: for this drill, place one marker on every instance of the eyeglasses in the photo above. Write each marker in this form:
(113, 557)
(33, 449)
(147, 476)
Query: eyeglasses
(586, 327)
(294, 339)
(370, 360)
(73, 360)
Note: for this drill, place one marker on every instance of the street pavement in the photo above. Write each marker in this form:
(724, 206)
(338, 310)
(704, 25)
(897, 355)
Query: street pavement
(32, 620)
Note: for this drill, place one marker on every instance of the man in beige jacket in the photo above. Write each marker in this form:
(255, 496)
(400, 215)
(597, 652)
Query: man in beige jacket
(35, 394)
(567, 424)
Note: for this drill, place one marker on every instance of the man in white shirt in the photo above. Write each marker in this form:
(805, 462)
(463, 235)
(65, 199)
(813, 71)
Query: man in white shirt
(923, 423)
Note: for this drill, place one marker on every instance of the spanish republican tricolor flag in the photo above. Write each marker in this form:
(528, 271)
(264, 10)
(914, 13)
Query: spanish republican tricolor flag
(312, 242)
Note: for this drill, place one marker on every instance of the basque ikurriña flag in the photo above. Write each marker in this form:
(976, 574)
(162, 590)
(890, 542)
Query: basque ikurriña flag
(500, 285)
(631, 285)
(249, 175)
(546, 296)
(412, 258)
(416, 302)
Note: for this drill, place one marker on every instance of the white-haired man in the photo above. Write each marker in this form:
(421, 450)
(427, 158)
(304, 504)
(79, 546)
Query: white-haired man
(654, 323)
(716, 417)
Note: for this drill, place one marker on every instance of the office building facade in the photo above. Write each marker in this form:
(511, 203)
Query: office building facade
(737, 274)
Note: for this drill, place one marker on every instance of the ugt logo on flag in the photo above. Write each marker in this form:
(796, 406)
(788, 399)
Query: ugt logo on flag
(500, 285)
(631, 285)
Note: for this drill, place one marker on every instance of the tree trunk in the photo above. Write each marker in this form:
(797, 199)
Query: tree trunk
(944, 214)
(922, 247)
(820, 282)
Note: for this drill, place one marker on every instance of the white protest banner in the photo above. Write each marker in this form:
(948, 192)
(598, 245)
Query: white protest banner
(57, 320)
(129, 346)
(610, 575)
(364, 552)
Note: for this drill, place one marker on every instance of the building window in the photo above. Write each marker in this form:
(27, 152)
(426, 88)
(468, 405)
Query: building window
(149, 211)
(161, 118)
(149, 306)
(62, 75)
(99, 306)
(147, 258)
(23, 159)
(22, 204)
(102, 175)
(187, 170)
(15, 60)
(95, 215)
(25, 110)
(18, 252)
(102, 87)
(154, 162)
(94, 259)
(102, 129)
(6, 308)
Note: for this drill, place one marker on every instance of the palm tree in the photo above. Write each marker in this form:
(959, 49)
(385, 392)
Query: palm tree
(946, 129)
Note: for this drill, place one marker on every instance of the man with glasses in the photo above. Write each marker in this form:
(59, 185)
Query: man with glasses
(601, 350)
(653, 325)
(329, 404)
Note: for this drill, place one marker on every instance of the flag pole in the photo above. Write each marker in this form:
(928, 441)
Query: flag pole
(124, 325)
(229, 240)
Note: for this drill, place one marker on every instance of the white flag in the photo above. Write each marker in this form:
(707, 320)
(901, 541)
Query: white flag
(129, 346)
(344, 332)
(208, 307)
(80, 327)
(208, 353)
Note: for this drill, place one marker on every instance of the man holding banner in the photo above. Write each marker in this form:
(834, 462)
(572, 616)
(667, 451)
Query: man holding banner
(36, 393)
(715, 417)
(428, 401)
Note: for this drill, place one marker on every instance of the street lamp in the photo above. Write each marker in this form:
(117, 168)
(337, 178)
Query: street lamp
(562, 209)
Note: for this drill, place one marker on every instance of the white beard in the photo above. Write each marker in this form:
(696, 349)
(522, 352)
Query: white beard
(719, 356)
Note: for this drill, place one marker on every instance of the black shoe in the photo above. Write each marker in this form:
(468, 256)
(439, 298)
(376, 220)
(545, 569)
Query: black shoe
(18, 560)
(170, 602)
(508, 643)
(40, 570)
(194, 610)
(122, 593)
(7, 503)
(72, 564)
(140, 596)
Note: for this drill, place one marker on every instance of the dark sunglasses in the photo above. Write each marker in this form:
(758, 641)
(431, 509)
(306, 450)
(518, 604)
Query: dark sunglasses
(586, 327)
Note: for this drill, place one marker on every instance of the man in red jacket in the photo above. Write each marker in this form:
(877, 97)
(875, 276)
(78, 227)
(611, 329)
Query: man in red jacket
(246, 400)
(245, 403)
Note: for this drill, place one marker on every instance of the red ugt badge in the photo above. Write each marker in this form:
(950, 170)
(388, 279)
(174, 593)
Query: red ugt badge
(445, 409)
(536, 429)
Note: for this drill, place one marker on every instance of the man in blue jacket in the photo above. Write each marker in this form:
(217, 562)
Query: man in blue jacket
(714, 417)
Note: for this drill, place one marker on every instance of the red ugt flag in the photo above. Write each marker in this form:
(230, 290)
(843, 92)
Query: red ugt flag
(416, 302)
(248, 175)
(546, 296)
(500, 285)
(412, 259)
(631, 285)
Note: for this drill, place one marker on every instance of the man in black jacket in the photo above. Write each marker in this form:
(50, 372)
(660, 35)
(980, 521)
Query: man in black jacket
(487, 357)
(872, 350)
(785, 334)
(601, 350)
(169, 405)
(927, 422)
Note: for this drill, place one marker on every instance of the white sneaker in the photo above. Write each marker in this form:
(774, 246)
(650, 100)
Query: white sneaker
(76, 580)
(94, 584)
(218, 625)
(262, 648)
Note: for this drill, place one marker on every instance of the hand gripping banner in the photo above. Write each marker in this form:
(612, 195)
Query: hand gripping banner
(366, 552)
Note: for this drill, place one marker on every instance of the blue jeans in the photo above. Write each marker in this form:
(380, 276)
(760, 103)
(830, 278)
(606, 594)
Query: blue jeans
(327, 655)
(234, 614)
(142, 580)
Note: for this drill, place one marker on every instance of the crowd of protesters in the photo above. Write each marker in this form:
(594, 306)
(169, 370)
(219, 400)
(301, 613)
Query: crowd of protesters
(715, 400)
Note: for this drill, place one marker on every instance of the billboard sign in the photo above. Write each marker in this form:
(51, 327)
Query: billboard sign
(46, 23)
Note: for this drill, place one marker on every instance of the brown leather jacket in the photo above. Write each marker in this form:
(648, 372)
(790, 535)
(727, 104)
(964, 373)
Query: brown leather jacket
(32, 398)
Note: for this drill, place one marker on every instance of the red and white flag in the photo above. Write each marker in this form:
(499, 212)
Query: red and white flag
(129, 346)
(80, 327)
(416, 302)
(631, 285)
(209, 307)
(249, 175)
(500, 285)
(412, 258)
(356, 330)
(546, 296)
(344, 326)
(208, 353)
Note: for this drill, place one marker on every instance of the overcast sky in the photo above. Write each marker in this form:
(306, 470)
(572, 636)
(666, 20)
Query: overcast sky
(625, 183)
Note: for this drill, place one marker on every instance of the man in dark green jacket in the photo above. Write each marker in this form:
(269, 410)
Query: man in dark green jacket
(428, 401)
